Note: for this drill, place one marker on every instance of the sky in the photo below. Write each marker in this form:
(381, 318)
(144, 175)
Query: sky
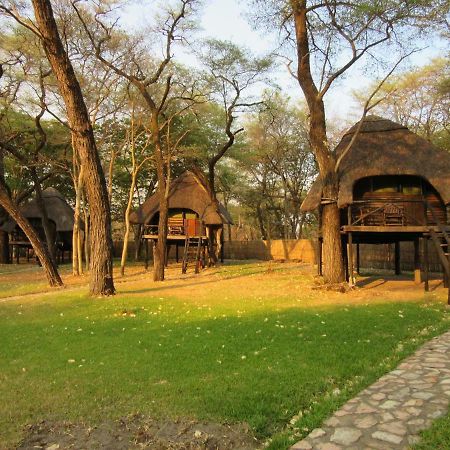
(225, 19)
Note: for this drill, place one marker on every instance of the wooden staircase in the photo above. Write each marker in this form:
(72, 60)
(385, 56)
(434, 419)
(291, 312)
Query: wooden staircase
(192, 253)
(441, 241)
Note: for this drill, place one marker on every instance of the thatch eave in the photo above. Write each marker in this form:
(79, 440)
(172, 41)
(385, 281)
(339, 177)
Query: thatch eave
(385, 148)
(188, 191)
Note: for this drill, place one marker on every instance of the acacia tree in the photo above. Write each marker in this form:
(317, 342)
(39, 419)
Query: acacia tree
(329, 38)
(231, 72)
(7, 144)
(280, 165)
(420, 99)
(83, 140)
(152, 79)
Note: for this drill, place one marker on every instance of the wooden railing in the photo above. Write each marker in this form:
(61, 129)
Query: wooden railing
(177, 227)
(398, 213)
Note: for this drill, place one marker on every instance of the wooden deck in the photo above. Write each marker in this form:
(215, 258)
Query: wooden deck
(390, 229)
(172, 237)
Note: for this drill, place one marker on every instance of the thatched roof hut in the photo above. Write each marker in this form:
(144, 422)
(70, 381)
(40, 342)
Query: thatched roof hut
(384, 147)
(188, 191)
(58, 211)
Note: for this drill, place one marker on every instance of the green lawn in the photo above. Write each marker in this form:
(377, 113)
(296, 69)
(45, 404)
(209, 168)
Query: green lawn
(437, 437)
(216, 349)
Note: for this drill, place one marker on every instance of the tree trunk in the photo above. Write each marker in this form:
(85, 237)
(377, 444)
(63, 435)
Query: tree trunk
(137, 241)
(127, 222)
(41, 251)
(87, 238)
(49, 235)
(160, 248)
(84, 144)
(332, 247)
(77, 266)
(4, 247)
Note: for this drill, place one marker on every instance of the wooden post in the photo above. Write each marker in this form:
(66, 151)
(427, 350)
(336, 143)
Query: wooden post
(345, 256)
(397, 257)
(166, 258)
(358, 259)
(222, 240)
(426, 263)
(351, 280)
(319, 262)
(176, 251)
(146, 243)
(417, 277)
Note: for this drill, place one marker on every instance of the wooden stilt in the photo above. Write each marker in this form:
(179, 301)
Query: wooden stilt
(185, 255)
(221, 246)
(197, 255)
(166, 259)
(358, 259)
(176, 252)
(426, 263)
(146, 243)
(319, 262)
(417, 277)
(351, 279)
(345, 256)
(397, 258)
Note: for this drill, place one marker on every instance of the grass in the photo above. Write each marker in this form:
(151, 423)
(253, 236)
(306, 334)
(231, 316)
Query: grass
(437, 437)
(241, 344)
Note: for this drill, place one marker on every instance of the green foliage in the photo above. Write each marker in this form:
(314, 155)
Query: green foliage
(279, 168)
(420, 100)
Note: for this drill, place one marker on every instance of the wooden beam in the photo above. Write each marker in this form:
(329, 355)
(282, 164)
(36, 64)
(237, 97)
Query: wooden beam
(426, 263)
(351, 280)
(146, 243)
(397, 258)
(319, 262)
(358, 259)
(417, 275)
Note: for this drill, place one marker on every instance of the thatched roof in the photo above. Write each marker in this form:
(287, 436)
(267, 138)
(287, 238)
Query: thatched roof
(384, 147)
(188, 191)
(58, 210)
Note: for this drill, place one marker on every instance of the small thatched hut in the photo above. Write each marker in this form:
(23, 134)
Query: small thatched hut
(393, 186)
(61, 219)
(193, 213)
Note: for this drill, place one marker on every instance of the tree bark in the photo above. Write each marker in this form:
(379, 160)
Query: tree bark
(84, 144)
(332, 247)
(4, 247)
(77, 263)
(41, 251)
(127, 220)
(49, 235)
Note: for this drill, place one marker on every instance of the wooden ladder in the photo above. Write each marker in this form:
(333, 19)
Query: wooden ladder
(441, 241)
(192, 251)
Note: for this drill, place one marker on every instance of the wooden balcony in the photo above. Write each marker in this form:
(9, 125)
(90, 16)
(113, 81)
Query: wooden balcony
(397, 216)
(177, 229)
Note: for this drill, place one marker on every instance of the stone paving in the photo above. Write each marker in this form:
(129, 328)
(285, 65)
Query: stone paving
(390, 413)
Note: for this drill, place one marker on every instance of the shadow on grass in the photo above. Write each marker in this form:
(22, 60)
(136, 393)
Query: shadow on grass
(263, 368)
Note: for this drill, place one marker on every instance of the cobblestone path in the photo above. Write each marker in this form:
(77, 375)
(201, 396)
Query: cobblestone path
(390, 413)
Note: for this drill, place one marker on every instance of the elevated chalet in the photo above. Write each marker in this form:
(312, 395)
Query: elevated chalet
(61, 221)
(393, 186)
(195, 219)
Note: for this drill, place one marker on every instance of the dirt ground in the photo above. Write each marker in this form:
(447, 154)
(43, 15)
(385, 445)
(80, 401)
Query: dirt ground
(137, 432)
